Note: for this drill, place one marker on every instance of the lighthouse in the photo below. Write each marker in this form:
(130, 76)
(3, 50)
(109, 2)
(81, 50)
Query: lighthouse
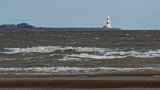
(108, 25)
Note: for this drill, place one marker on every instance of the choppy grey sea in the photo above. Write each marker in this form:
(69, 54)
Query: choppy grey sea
(50, 52)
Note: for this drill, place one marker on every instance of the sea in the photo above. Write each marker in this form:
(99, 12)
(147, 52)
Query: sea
(79, 52)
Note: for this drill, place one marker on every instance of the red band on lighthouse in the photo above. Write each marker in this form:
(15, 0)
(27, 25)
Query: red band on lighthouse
(108, 23)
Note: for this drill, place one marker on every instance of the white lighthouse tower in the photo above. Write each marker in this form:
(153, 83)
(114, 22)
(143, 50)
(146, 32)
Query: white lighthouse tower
(108, 25)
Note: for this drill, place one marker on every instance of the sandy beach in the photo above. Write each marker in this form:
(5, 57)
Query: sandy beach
(116, 80)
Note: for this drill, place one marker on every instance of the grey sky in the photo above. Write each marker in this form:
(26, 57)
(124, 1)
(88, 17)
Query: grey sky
(129, 14)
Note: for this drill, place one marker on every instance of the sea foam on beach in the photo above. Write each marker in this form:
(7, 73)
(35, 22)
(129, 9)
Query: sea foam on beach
(72, 70)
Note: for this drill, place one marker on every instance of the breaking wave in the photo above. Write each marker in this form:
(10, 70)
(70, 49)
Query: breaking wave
(47, 49)
(69, 59)
(77, 53)
(85, 55)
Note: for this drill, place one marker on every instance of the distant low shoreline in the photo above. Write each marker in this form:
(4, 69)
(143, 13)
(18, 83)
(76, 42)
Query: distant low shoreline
(60, 29)
(64, 29)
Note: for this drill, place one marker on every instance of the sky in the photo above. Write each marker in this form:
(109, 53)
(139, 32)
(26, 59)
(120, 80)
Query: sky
(127, 14)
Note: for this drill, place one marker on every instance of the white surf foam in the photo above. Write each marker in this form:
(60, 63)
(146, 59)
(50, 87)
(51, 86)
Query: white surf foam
(40, 49)
(70, 59)
(85, 55)
(87, 52)
(147, 54)
(73, 70)
(46, 49)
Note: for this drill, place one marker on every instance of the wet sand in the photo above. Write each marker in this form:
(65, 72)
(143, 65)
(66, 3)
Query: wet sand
(81, 81)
